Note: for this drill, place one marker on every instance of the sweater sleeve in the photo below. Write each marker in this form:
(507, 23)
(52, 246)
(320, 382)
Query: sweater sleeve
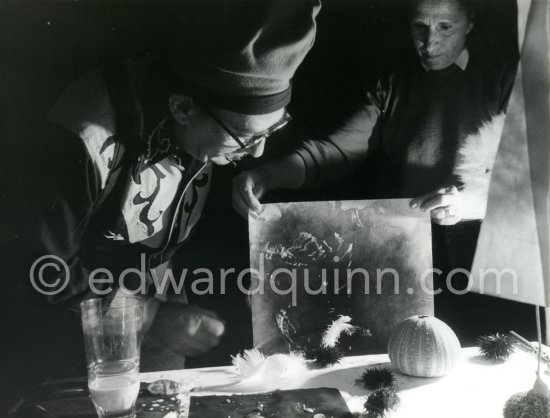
(337, 155)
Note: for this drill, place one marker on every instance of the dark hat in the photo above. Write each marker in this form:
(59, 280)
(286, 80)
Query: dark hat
(241, 55)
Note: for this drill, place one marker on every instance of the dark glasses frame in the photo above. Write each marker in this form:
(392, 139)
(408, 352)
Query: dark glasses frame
(257, 137)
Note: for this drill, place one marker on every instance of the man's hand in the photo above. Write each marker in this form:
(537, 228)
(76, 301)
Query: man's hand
(445, 205)
(248, 189)
(186, 329)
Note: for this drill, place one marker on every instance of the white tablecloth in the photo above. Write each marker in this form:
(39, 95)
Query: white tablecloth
(474, 388)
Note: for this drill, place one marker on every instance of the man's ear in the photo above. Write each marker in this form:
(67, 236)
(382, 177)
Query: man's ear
(182, 107)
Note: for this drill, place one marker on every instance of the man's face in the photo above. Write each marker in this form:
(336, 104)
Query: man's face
(212, 131)
(227, 132)
(238, 135)
(439, 29)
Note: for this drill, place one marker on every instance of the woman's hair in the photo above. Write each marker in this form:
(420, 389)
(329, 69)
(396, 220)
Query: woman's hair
(469, 6)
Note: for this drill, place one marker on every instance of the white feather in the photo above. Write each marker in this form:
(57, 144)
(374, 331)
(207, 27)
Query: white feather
(253, 364)
(249, 362)
(283, 366)
(476, 158)
(335, 330)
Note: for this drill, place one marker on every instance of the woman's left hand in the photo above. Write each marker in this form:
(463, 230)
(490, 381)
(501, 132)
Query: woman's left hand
(445, 205)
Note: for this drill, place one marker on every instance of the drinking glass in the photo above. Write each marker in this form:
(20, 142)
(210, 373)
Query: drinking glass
(112, 337)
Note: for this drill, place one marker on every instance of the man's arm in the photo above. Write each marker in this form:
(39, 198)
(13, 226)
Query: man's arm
(73, 187)
(316, 163)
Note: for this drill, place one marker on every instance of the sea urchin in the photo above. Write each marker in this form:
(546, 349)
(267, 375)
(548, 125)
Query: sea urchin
(530, 404)
(328, 356)
(496, 347)
(382, 400)
(376, 377)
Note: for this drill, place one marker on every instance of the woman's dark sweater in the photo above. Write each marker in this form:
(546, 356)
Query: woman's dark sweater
(413, 125)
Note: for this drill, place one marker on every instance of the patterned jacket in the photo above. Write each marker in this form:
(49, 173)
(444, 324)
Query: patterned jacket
(130, 197)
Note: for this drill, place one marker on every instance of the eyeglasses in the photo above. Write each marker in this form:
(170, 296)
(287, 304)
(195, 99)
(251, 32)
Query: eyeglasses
(251, 141)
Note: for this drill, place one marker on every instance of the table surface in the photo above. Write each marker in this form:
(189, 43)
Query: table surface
(474, 388)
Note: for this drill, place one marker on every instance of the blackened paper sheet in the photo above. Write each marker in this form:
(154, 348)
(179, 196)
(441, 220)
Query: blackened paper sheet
(313, 262)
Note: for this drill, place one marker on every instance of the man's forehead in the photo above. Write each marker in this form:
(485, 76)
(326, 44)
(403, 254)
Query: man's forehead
(249, 124)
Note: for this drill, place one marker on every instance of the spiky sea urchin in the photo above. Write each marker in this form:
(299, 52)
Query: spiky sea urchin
(526, 404)
(382, 400)
(328, 356)
(496, 347)
(376, 377)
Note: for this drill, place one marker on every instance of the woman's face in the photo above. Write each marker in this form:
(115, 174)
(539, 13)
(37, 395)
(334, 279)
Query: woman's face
(439, 29)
